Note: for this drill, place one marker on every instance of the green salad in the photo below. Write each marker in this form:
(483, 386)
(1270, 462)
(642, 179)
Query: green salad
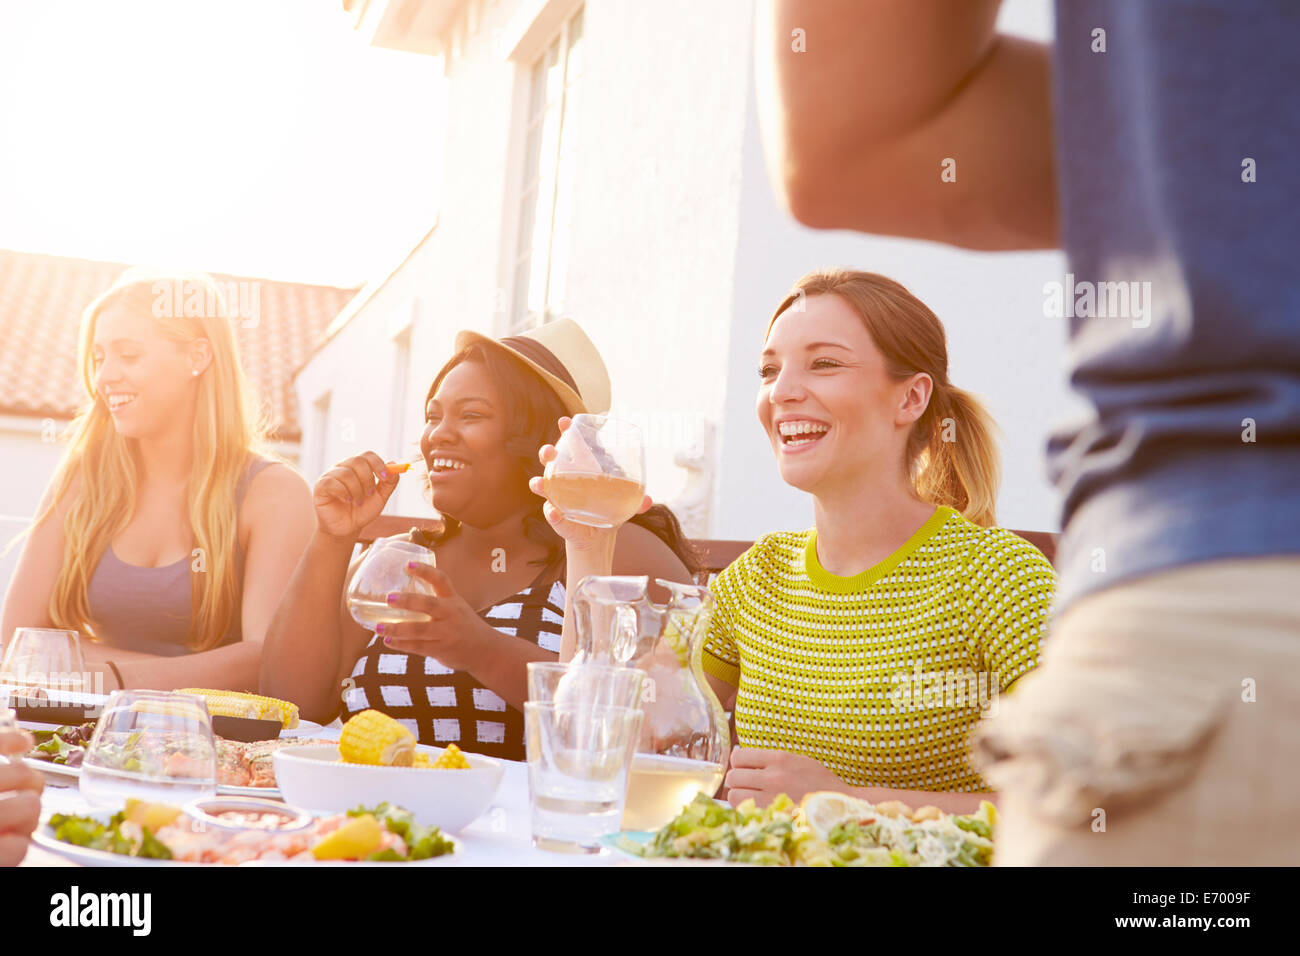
(422, 842)
(97, 835)
(857, 834)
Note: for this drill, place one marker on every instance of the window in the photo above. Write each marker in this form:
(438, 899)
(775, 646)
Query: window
(546, 198)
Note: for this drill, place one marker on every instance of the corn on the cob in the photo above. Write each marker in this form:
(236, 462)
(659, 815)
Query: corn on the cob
(229, 703)
(450, 759)
(375, 738)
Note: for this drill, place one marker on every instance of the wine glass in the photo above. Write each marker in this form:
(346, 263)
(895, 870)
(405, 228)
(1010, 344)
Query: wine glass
(382, 571)
(152, 745)
(597, 477)
(41, 659)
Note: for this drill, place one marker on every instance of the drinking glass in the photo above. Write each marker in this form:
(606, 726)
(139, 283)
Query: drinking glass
(597, 477)
(382, 571)
(152, 745)
(586, 684)
(578, 759)
(43, 659)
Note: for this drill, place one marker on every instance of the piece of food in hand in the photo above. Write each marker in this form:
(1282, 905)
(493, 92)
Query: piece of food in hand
(354, 840)
(229, 703)
(375, 738)
(398, 469)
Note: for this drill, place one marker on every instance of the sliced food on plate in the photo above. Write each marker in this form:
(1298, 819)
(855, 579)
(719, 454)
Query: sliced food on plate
(154, 831)
(827, 829)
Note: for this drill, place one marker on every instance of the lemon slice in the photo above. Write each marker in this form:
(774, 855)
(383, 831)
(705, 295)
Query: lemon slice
(825, 810)
(151, 815)
(355, 839)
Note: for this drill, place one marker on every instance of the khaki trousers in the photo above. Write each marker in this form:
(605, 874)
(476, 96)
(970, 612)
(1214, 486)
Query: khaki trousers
(1162, 727)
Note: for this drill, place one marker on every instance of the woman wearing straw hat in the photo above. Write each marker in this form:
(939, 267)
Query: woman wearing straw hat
(499, 583)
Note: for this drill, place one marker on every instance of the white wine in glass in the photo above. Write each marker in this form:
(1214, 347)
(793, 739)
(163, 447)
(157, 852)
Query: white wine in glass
(382, 571)
(597, 477)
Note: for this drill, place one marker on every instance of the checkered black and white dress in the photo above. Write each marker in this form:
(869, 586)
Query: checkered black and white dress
(442, 706)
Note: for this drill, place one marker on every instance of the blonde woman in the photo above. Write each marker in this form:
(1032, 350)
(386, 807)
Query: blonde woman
(165, 535)
(859, 655)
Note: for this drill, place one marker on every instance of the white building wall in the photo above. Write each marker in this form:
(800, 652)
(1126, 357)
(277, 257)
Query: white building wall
(679, 253)
(658, 210)
(29, 458)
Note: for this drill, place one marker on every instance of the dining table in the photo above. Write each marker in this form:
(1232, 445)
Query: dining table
(500, 836)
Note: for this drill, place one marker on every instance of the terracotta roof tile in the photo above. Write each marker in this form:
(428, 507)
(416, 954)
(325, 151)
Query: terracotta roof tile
(41, 301)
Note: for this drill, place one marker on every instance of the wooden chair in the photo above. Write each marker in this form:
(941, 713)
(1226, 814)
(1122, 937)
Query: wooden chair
(385, 526)
(716, 553)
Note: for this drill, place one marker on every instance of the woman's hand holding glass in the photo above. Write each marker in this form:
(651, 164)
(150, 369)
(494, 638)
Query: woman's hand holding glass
(453, 634)
(353, 493)
(580, 535)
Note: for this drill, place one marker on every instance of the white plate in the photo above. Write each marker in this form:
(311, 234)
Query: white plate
(58, 769)
(223, 790)
(305, 728)
(44, 838)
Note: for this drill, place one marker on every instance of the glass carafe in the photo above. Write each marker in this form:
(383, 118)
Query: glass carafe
(684, 736)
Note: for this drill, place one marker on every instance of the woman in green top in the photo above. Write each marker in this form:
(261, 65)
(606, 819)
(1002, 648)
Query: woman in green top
(861, 654)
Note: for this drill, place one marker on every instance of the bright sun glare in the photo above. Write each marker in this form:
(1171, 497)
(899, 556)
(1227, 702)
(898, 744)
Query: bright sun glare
(245, 136)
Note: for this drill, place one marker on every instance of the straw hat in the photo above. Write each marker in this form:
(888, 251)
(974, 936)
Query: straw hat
(563, 356)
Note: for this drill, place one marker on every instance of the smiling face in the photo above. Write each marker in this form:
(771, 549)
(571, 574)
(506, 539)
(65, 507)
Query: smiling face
(827, 403)
(472, 475)
(145, 378)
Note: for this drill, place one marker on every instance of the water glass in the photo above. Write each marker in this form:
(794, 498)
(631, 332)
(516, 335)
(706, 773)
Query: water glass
(578, 761)
(586, 684)
(151, 745)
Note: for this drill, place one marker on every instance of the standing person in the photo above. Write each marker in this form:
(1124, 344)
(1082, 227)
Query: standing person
(166, 534)
(1168, 168)
(862, 653)
(460, 676)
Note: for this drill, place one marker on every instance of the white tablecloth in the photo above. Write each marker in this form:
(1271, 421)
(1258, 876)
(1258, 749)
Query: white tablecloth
(500, 837)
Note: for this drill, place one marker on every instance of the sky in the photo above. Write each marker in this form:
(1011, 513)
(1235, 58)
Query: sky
(254, 137)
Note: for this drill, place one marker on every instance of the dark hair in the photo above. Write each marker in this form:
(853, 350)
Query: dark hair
(532, 410)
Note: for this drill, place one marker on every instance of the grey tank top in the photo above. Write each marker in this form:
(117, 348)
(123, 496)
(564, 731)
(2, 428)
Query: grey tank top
(148, 609)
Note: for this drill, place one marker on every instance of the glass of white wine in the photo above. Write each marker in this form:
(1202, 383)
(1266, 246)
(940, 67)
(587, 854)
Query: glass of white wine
(382, 571)
(40, 659)
(597, 477)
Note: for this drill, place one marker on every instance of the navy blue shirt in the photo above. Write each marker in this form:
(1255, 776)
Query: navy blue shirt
(1156, 140)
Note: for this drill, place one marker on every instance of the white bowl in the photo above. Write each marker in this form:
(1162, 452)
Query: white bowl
(312, 776)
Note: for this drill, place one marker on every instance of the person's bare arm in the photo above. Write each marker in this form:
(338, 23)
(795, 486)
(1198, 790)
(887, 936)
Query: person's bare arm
(857, 127)
(312, 642)
(280, 519)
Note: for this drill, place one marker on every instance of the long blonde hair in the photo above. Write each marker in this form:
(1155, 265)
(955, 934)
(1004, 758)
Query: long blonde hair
(951, 455)
(227, 428)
